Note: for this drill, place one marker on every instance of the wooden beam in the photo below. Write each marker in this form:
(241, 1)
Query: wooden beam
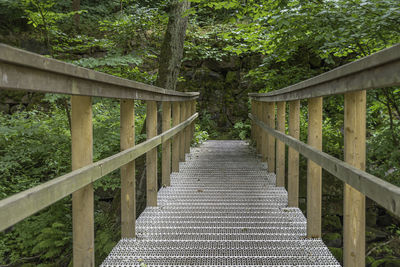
(354, 201)
(293, 155)
(314, 171)
(187, 130)
(166, 147)
(252, 111)
(271, 139)
(82, 200)
(259, 132)
(280, 146)
(380, 191)
(182, 135)
(176, 118)
(128, 182)
(264, 135)
(22, 70)
(151, 156)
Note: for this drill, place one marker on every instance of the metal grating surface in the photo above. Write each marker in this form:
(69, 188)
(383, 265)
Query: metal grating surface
(222, 209)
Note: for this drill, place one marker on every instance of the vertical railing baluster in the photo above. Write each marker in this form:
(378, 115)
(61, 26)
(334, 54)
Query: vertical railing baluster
(187, 129)
(260, 131)
(264, 135)
(280, 146)
(293, 155)
(314, 171)
(151, 156)
(252, 112)
(166, 146)
(176, 117)
(128, 183)
(82, 200)
(182, 135)
(354, 201)
(271, 139)
(193, 123)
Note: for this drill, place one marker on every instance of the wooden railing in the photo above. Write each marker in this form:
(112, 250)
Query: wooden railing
(379, 70)
(21, 70)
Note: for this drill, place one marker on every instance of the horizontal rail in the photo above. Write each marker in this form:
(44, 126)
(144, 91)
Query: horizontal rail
(20, 206)
(22, 70)
(382, 192)
(378, 70)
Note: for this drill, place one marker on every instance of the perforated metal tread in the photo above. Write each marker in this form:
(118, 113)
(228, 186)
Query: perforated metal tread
(222, 209)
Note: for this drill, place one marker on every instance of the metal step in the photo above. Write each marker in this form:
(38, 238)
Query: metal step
(222, 209)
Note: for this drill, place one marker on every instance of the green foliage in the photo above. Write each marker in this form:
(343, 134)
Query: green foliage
(242, 129)
(199, 135)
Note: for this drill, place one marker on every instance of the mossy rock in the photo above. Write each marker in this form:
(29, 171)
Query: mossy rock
(333, 240)
(337, 253)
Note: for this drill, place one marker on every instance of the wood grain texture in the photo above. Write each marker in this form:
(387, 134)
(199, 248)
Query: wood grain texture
(271, 139)
(83, 199)
(354, 201)
(128, 182)
(293, 155)
(151, 156)
(166, 146)
(280, 146)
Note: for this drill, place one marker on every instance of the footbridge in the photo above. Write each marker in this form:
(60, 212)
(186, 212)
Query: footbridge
(223, 203)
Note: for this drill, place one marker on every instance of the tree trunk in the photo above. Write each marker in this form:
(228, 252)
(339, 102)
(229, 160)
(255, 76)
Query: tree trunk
(172, 46)
(76, 5)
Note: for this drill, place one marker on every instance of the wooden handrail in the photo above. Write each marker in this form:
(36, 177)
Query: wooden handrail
(20, 206)
(22, 70)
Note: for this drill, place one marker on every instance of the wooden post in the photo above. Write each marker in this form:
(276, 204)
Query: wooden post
(151, 156)
(128, 188)
(271, 139)
(354, 201)
(314, 171)
(264, 135)
(182, 134)
(259, 130)
(187, 129)
(193, 124)
(252, 123)
(176, 117)
(82, 200)
(280, 146)
(166, 146)
(293, 155)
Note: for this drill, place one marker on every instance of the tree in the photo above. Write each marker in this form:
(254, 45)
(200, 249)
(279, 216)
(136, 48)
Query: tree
(172, 46)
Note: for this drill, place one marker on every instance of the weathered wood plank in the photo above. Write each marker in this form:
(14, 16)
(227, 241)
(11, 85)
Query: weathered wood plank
(354, 201)
(271, 139)
(314, 171)
(166, 147)
(151, 156)
(378, 70)
(128, 182)
(293, 155)
(20, 206)
(182, 135)
(176, 118)
(22, 70)
(280, 146)
(82, 199)
(382, 192)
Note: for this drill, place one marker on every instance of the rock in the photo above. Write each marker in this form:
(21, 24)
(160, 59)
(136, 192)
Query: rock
(371, 217)
(5, 108)
(374, 235)
(25, 99)
(337, 253)
(333, 240)
(384, 220)
(230, 64)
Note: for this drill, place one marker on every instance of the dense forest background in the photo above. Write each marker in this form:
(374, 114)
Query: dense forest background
(231, 48)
